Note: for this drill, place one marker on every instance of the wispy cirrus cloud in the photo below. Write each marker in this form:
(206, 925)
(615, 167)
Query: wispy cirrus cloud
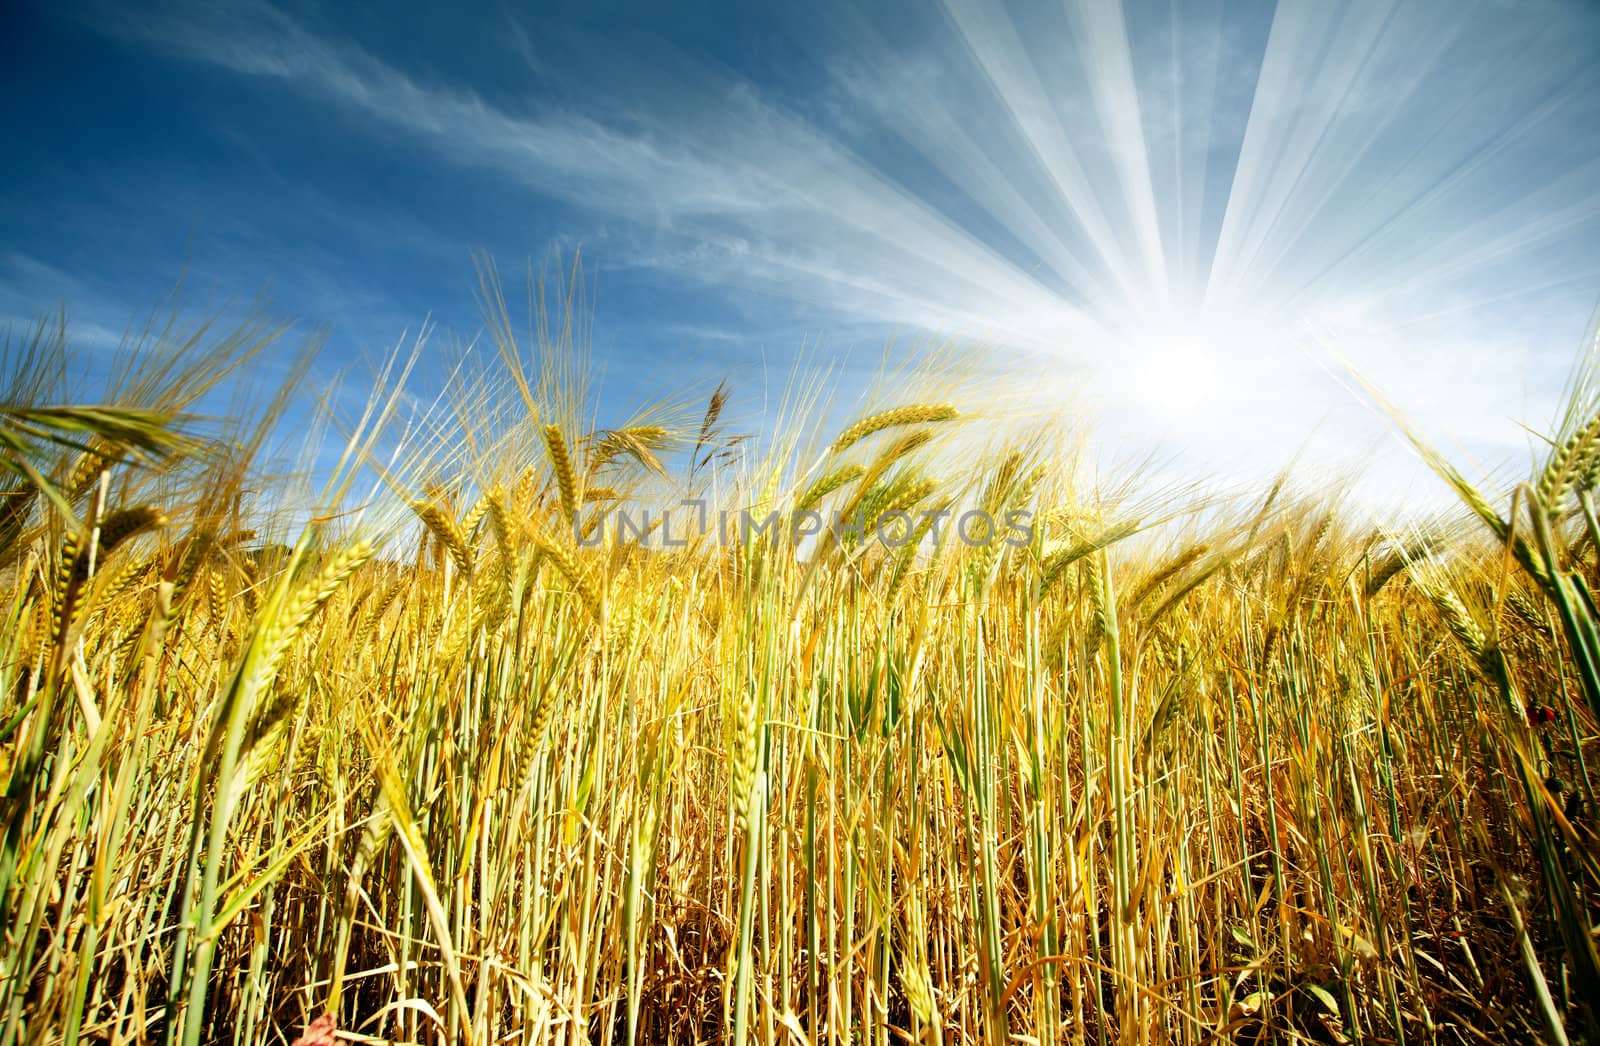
(563, 154)
(34, 292)
(747, 193)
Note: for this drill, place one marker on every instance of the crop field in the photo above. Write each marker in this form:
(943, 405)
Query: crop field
(452, 738)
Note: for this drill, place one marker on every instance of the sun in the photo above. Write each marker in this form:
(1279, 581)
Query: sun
(1172, 371)
(1174, 378)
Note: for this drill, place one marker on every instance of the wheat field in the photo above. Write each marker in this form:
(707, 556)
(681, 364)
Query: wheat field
(413, 748)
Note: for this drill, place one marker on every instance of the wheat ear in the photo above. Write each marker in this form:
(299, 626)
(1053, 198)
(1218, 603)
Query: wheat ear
(570, 570)
(561, 465)
(445, 528)
(827, 485)
(908, 555)
(915, 414)
(1568, 463)
(1057, 562)
(1155, 582)
(298, 611)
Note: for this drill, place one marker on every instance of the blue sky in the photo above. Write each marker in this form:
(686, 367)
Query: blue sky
(1170, 216)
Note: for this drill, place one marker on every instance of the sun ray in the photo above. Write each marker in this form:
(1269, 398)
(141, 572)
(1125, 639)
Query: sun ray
(993, 42)
(1109, 61)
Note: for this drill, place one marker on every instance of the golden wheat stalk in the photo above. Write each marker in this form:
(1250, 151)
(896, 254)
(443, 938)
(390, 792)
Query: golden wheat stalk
(474, 516)
(1460, 622)
(903, 499)
(492, 595)
(375, 835)
(1056, 562)
(639, 442)
(868, 481)
(1193, 582)
(500, 517)
(914, 414)
(1396, 561)
(908, 554)
(1528, 614)
(981, 564)
(744, 749)
(303, 605)
(125, 523)
(86, 469)
(827, 485)
(447, 531)
(568, 566)
(1569, 463)
(998, 492)
(125, 578)
(621, 629)
(187, 565)
(216, 593)
(872, 502)
(1464, 625)
(267, 726)
(1100, 609)
(915, 977)
(1029, 486)
(375, 614)
(561, 465)
(235, 538)
(1155, 582)
(64, 593)
(73, 565)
